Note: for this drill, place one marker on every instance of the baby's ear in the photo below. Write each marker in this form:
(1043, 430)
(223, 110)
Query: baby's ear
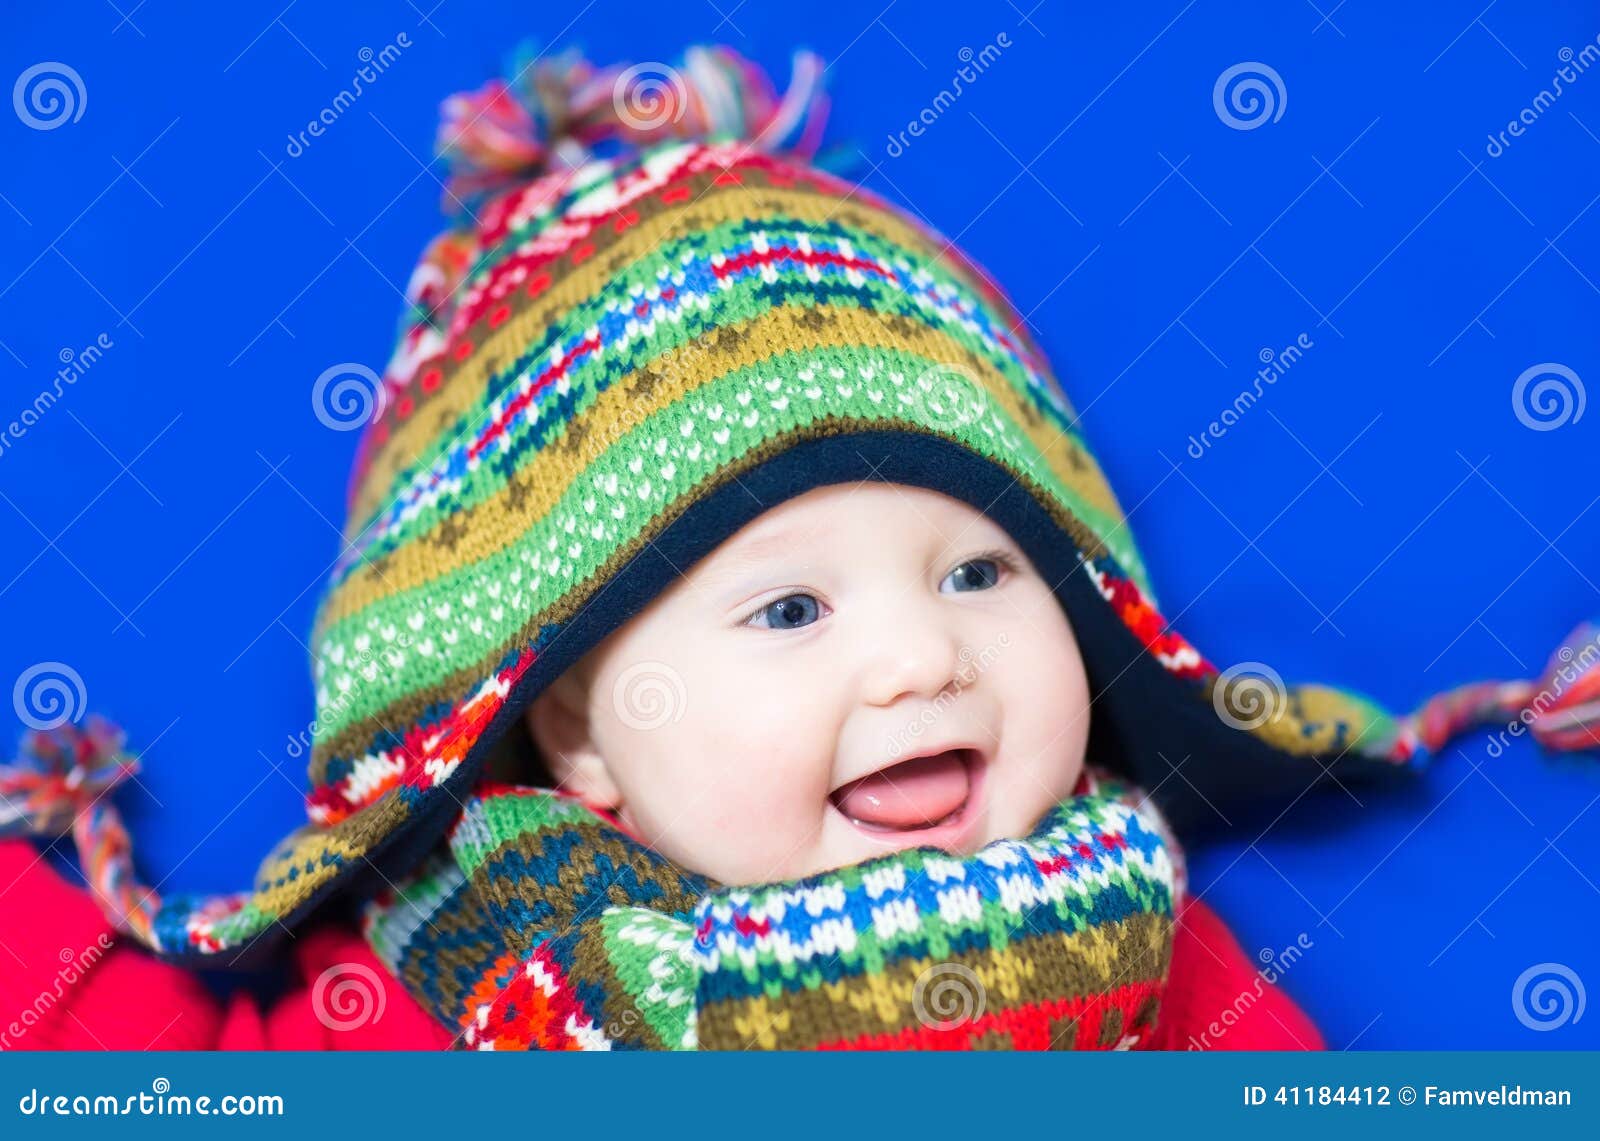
(559, 722)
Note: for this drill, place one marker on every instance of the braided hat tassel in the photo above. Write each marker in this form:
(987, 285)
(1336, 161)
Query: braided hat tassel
(472, 323)
(62, 782)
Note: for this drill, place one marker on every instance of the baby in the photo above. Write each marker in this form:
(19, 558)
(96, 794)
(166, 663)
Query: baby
(740, 506)
(864, 668)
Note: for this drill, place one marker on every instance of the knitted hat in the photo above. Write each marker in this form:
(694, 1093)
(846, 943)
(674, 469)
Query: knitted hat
(652, 320)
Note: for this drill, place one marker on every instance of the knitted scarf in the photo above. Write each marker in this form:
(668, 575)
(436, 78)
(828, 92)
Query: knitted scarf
(654, 323)
(541, 924)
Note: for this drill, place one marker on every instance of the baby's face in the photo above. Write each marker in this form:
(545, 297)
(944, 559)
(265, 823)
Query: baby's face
(865, 668)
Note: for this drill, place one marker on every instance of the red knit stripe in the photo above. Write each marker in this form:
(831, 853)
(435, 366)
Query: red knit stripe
(330, 803)
(804, 257)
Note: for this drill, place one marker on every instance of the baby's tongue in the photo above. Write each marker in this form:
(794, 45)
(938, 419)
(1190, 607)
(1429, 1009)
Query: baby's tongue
(911, 794)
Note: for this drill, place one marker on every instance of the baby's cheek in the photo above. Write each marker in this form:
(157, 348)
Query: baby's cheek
(768, 814)
(776, 787)
(739, 784)
(781, 727)
(1038, 678)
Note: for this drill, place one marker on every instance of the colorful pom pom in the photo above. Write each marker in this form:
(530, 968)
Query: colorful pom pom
(61, 772)
(559, 112)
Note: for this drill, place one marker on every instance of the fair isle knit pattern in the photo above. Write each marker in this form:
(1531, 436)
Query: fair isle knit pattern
(542, 925)
(594, 365)
(605, 346)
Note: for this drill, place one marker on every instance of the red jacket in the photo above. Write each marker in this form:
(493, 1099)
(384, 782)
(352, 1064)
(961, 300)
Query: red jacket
(123, 998)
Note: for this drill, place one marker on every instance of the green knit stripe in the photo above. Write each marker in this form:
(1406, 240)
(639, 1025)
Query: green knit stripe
(649, 952)
(390, 927)
(488, 822)
(249, 921)
(746, 298)
(622, 494)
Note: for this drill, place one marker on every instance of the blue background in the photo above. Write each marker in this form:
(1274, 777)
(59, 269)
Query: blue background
(1382, 519)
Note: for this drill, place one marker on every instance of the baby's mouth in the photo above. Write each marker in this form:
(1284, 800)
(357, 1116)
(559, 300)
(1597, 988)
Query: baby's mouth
(911, 796)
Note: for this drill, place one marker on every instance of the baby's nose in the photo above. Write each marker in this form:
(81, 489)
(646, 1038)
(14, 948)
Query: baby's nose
(916, 662)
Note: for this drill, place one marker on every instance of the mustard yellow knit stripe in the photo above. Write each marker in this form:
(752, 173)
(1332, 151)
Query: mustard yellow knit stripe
(497, 522)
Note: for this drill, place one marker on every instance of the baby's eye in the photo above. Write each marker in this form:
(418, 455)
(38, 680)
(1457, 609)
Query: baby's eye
(974, 574)
(788, 613)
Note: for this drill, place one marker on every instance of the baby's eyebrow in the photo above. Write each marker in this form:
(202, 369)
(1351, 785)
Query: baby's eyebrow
(751, 552)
